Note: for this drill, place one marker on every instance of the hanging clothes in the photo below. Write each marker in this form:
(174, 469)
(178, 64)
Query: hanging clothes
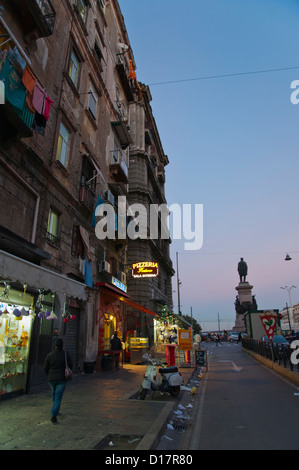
(39, 124)
(15, 92)
(94, 219)
(17, 60)
(38, 98)
(47, 107)
(28, 80)
(88, 273)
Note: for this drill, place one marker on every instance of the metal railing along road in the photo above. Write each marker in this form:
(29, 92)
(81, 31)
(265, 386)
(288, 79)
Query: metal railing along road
(275, 352)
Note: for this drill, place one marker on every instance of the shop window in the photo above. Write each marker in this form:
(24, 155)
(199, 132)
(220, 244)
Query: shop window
(16, 321)
(53, 227)
(63, 146)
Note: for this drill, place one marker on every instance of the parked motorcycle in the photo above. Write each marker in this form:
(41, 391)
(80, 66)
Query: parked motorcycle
(157, 377)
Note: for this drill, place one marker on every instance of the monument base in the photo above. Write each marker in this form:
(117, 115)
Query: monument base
(244, 293)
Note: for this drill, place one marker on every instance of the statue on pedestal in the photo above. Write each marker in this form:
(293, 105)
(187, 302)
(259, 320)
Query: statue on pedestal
(242, 270)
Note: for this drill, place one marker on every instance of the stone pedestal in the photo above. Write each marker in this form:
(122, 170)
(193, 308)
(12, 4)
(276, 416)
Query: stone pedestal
(244, 290)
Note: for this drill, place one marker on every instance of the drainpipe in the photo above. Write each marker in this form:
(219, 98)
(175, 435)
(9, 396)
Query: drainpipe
(36, 195)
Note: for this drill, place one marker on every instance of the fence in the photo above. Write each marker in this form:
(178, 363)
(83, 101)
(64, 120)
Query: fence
(277, 352)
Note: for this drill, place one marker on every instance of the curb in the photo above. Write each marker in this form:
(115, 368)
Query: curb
(285, 373)
(152, 438)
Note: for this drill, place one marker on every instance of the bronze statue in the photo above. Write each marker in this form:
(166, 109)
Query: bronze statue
(242, 270)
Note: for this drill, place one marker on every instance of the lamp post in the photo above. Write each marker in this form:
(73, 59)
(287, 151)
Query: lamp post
(291, 305)
(179, 283)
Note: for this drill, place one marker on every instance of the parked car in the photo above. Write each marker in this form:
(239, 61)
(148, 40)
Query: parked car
(277, 340)
(292, 336)
(234, 336)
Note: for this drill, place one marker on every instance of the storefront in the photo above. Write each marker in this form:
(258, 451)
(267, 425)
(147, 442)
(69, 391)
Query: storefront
(16, 319)
(35, 306)
(117, 312)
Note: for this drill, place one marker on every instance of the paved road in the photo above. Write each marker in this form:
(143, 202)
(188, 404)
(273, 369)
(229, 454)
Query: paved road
(243, 405)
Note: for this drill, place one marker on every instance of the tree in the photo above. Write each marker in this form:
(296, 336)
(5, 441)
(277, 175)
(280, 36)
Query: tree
(192, 321)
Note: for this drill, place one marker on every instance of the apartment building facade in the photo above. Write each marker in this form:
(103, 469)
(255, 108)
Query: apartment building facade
(66, 146)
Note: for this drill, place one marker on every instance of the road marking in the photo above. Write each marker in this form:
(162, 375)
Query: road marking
(235, 367)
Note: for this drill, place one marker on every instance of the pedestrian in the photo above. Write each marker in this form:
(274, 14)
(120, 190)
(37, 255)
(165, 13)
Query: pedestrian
(218, 340)
(116, 346)
(197, 340)
(55, 370)
(239, 338)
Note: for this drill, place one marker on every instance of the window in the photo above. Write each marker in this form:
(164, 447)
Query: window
(93, 99)
(52, 230)
(63, 145)
(74, 68)
(98, 52)
(82, 9)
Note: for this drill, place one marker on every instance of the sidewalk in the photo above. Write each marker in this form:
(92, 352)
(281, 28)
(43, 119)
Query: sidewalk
(97, 409)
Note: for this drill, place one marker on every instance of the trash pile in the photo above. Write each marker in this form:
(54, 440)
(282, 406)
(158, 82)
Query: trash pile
(182, 415)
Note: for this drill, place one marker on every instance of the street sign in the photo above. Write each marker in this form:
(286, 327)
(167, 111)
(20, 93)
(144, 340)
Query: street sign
(185, 340)
(201, 357)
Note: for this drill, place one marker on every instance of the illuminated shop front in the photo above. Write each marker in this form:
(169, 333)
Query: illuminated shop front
(117, 312)
(36, 304)
(16, 319)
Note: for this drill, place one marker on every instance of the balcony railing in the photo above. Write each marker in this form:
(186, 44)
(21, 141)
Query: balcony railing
(118, 168)
(47, 13)
(87, 197)
(37, 16)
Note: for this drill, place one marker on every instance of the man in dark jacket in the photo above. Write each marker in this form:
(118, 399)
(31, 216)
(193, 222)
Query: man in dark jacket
(55, 370)
(116, 343)
(116, 346)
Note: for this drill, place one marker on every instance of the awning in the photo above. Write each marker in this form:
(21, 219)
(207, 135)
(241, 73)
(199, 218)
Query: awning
(112, 289)
(117, 294)
(19, 270)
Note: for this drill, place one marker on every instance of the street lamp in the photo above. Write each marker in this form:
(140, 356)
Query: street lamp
(289, 292)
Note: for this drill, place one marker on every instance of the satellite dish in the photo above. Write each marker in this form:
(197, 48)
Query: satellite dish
(123, 47)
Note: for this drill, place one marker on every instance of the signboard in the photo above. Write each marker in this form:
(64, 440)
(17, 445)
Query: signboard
(185, 340)
(119, 284)
(269, 323)
(145, 269)
(201, 357)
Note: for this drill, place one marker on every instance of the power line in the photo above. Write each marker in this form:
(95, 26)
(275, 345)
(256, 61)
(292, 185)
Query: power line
(210, 77)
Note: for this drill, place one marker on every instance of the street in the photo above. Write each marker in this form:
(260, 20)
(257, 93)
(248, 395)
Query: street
(240, 405)
(244, 406)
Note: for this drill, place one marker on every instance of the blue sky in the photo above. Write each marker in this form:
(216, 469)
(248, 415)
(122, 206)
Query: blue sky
(232, 142)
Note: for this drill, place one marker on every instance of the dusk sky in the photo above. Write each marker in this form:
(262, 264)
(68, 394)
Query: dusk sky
(232, 141)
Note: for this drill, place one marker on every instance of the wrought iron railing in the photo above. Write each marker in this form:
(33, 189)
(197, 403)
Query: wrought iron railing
(277, 352)
(48, 14)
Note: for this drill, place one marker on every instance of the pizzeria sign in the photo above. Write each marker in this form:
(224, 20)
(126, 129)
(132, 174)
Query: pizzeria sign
(145, 269)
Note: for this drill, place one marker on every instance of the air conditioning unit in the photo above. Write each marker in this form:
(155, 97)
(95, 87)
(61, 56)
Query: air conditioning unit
(108, 197)
(122, 277)
(104, 266)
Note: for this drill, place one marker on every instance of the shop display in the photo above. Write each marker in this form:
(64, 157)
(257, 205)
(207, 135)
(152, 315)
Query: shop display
(15, 331)
(138, 347)
(166, 333)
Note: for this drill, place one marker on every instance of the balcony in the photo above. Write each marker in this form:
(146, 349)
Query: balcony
(87, 197)
(37, 16)
(121, 129)
(123, 73)
(118, 168)
(15, 122)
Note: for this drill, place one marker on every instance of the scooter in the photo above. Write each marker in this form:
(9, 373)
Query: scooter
(164, 379)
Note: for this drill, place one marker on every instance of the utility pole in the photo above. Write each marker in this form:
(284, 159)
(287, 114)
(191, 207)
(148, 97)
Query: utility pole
(218, 322)
(178, 281)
